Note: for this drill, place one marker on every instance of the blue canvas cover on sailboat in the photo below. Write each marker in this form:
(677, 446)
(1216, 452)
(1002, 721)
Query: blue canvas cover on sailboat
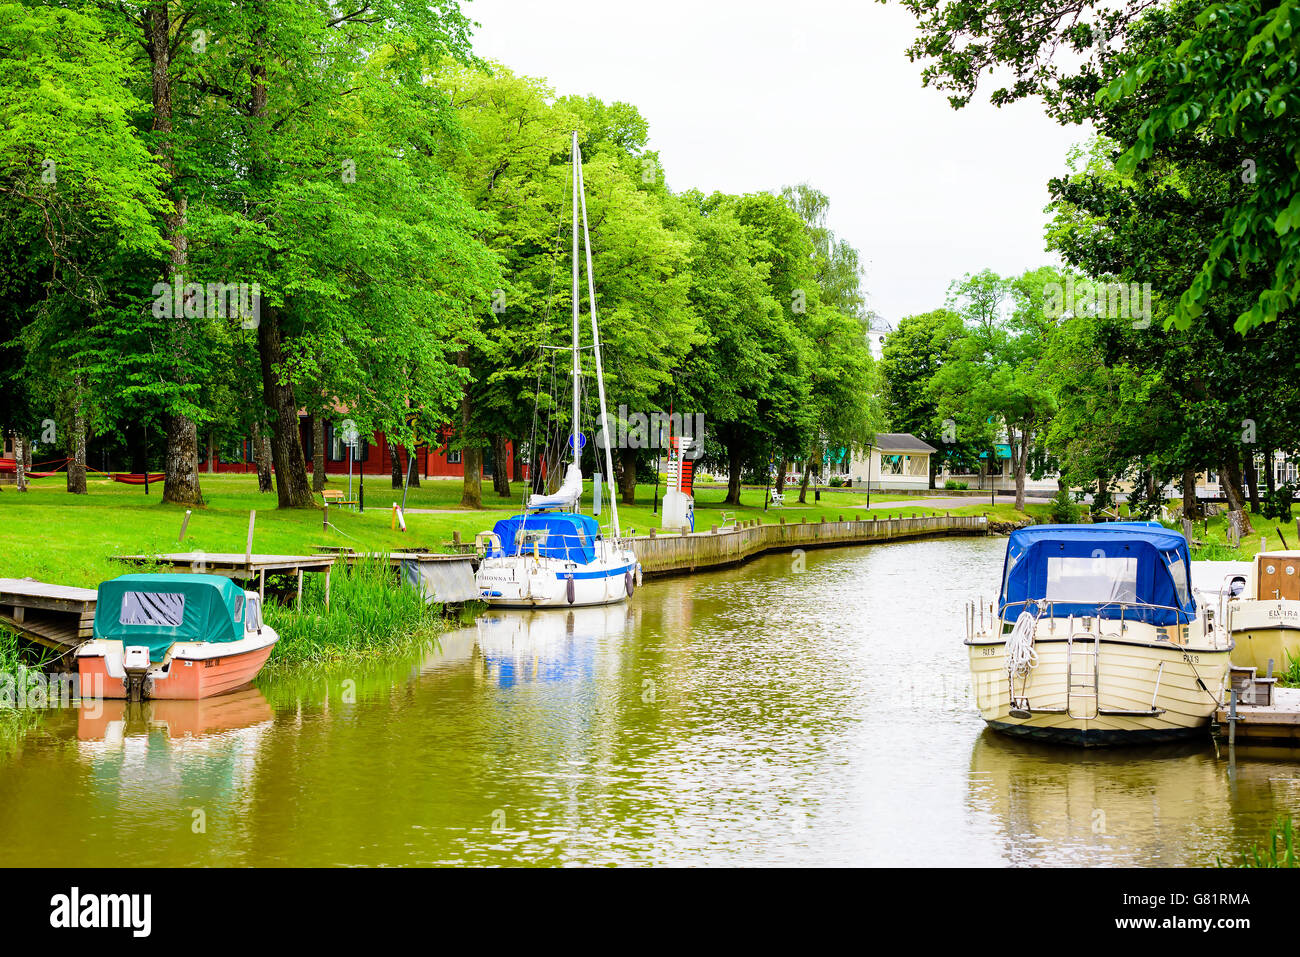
(1141, 567)
(556, 535)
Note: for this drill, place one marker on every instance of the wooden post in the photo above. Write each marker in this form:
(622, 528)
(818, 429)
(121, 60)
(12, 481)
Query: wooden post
(261, 585)
(248, 548)
(185, 523)
(325, 518)
(455, 538)
(1187, 530)
(300, 589)
(328, 569)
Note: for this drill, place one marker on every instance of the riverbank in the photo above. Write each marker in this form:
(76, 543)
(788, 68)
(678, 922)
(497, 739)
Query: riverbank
(663, 555)
(65, 539)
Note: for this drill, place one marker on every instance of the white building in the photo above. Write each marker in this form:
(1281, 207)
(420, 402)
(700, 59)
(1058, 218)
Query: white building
(897, 460)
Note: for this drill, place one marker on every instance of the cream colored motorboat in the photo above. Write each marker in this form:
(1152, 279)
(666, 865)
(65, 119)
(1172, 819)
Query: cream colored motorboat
(1261, 609)
(1097, 638)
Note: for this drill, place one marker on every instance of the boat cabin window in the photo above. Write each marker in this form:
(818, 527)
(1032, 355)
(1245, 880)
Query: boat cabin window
(1178, 572)
(1094, 580)
(239, 608)
(254, 617)
(152, 608)
(525, 538)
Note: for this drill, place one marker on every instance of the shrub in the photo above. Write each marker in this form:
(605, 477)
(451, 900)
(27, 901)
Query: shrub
(1063, 510)
(954, 484)
(1277, 505)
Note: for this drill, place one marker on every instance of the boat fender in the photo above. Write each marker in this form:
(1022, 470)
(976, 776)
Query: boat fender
(627, 582)
(570, 592)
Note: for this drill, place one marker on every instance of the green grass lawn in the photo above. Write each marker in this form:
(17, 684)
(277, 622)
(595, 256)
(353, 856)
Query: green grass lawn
(52, 536)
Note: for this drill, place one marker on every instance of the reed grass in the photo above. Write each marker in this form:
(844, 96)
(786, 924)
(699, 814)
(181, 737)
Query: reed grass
(1278, 851)
(372, 612)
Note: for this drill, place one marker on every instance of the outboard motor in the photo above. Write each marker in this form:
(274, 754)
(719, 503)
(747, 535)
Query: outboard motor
(135, 662)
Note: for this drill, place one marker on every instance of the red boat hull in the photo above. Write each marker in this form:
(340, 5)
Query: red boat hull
(188, 679)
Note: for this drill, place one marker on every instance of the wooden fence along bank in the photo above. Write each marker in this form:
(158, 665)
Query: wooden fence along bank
(669, 553)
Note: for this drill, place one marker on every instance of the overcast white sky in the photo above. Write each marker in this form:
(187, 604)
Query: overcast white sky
(746, 95)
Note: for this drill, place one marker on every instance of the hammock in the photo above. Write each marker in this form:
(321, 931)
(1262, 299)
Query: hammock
(137, 478)
(8, 466)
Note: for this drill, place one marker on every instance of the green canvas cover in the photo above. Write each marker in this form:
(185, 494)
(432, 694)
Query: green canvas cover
(156, 610)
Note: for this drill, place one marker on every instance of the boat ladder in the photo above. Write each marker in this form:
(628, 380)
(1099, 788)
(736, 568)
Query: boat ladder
(1083, 684)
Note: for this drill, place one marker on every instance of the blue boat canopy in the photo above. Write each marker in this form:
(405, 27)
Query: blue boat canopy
(157, 610)
(550, 534)
(1092, 569)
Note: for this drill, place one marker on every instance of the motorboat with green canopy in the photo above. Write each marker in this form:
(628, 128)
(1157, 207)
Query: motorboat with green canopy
(174, 636)
(1097, 637)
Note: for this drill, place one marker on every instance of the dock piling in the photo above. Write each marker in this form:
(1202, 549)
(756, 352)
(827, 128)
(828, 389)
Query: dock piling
(248, 548)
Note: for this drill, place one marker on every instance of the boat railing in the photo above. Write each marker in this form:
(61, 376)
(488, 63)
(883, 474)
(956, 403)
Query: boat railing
(1127, 610)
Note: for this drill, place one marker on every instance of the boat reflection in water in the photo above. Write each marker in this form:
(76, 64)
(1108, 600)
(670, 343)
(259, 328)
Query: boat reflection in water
(1180, 805)
(548, 645)
(114, 721)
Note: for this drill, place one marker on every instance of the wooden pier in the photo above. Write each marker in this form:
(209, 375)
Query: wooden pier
(1264, 714)
(56, 616)
(243, 567)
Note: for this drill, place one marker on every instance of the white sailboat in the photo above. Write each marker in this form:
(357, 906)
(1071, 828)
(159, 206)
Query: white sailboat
(551, 555)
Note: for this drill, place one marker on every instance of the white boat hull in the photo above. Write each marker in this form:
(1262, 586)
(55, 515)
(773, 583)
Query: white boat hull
(1147, 690)
(524, 581)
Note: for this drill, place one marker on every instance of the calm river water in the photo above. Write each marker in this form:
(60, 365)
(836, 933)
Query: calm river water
(762, 715)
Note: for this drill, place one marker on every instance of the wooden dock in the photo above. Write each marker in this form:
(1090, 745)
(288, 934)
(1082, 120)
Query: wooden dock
(1277, 723)
(242, 567)
(56, 616)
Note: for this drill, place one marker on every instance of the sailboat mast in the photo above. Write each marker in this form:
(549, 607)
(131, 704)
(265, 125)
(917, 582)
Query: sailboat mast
(595, 348)
(577, 365)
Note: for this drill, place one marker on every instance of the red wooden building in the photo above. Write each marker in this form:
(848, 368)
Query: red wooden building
(374, 458)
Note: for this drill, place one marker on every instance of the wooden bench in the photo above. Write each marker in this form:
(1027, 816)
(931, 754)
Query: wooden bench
(334, 496)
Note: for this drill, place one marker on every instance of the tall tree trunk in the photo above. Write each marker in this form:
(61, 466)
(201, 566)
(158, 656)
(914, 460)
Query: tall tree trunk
(1252, 481)
(1191, 507)
(1230, 482)
(627, 476)
(318, 478)
(291, 485)
(262, 458)
(395, 454)
(77, 463)
(781, 471)
(1020, 462)
(212, 455)
(734, 464)
(20, 463)
(500, 466)
(181, 462)
(518, 461)
(803, 484)
(1270, 480)
(471, 457)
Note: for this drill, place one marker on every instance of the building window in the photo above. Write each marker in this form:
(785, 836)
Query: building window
(918, 465)
(891, 465)
(453, 458)
(338, 450)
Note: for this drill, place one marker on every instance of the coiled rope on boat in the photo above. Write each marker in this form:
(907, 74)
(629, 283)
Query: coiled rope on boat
(1021, 656)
